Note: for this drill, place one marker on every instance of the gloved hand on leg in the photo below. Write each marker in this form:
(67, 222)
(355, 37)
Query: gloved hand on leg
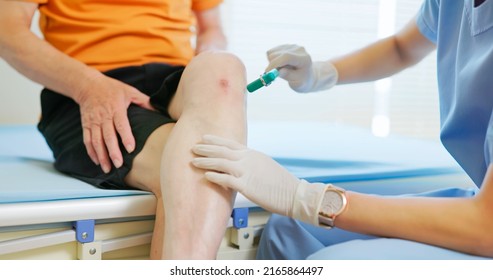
(295, 66)
(259, 178)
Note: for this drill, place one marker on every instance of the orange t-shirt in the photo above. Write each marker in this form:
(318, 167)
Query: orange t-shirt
(107, 34)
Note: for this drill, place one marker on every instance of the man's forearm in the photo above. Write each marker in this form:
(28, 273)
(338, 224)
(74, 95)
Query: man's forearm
(42, 63)
(210, 35)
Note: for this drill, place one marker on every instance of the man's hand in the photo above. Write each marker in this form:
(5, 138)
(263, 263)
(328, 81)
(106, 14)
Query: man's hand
(103, 108)
(259, 178)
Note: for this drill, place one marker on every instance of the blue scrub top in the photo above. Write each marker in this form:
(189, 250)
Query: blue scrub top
(464, 38)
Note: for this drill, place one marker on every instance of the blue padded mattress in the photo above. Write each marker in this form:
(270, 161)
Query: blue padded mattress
(313, 151)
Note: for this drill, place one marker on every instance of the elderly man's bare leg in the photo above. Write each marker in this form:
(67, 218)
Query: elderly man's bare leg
(192, 214)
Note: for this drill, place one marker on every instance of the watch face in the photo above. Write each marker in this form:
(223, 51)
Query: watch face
(332, 203)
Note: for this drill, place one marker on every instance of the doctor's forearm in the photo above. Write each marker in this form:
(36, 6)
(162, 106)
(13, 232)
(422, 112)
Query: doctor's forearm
(374, 62)
(453, 223)
(385, 57)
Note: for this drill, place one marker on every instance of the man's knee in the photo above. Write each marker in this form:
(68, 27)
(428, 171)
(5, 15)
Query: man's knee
(217, 78)
(222, 70)
(224, 61)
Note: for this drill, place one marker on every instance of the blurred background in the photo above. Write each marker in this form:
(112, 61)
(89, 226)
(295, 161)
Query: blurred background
(405, 104)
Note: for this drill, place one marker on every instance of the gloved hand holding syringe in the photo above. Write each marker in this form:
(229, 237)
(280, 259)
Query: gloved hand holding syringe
(293, 64)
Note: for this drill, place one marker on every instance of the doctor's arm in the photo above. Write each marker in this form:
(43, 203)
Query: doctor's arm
(381, 59)
(462, 224)
(385, 57)
(103, 101)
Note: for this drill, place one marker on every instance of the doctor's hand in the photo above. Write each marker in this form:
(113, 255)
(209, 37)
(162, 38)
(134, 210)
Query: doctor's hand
(103, 107)
(259, 178)
(295, 66)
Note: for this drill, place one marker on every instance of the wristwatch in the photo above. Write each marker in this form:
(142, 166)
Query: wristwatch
(333, 203)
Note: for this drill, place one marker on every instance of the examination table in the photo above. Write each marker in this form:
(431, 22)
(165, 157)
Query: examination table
(48, 215)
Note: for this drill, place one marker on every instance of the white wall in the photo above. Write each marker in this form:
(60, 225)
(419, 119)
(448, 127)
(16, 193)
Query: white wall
(19, 97)
(326, 28)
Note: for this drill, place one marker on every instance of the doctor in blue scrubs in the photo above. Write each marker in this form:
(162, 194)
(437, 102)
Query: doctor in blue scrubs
(446, 224)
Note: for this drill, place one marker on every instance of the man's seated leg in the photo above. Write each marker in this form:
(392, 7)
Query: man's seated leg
(192, 214)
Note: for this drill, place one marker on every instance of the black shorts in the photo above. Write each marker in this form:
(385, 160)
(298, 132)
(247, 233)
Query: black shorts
(61, 123)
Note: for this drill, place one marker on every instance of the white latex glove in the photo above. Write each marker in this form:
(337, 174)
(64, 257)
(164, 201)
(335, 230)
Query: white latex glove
(259, 178)
(295, 66)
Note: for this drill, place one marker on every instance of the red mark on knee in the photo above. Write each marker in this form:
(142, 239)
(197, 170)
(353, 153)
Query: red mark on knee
(224, 83)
